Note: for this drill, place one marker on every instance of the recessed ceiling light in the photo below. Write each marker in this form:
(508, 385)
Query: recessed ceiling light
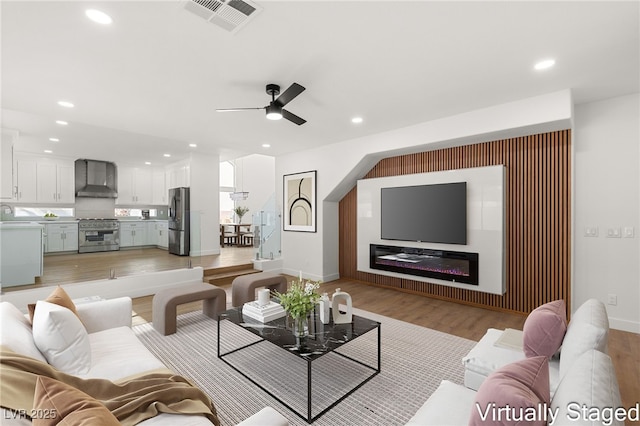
(148, 163)
(167, 155)
(48, 151)
(65, 104)
(266, 145)
(356, 120)
(62, 123)
(193, 145)
(54, 139)
(543, 65)
(98, 16)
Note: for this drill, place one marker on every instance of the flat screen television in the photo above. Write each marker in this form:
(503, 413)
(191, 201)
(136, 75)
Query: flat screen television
(425, 213)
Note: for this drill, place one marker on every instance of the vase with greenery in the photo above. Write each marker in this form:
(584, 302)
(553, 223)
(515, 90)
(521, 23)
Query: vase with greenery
(299, 302)
(240, 211)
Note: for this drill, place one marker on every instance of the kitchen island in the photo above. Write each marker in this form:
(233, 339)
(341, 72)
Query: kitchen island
(21, 247)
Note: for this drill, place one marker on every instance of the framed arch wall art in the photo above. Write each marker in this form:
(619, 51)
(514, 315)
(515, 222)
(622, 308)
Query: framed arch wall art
(299, 197)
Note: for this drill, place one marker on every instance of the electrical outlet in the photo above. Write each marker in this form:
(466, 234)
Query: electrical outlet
(591, 231)
(613, 233)
(612, 299)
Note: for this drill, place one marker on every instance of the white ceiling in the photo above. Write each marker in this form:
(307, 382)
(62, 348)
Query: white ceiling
(150, 83)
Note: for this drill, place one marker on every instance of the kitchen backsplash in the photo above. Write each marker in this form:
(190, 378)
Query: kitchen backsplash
(92, 208)
(102, 208)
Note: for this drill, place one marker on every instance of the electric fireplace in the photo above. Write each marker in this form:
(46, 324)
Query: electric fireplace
(454, 266)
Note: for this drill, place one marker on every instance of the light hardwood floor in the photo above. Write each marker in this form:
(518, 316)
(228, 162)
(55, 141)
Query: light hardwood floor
(454, 318)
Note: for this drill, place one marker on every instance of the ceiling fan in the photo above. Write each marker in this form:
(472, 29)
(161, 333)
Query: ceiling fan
(275, 110)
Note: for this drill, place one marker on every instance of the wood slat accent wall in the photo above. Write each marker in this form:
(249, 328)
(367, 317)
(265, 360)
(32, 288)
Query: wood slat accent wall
(537, 213)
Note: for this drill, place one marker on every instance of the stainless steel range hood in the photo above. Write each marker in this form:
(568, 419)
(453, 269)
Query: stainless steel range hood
(97, 179)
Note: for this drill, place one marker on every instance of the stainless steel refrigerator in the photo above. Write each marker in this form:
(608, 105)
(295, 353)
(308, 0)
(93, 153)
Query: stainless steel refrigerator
(179, 221)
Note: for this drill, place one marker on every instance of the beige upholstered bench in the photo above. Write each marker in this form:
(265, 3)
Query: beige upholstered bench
(165, 302)
(243, 288)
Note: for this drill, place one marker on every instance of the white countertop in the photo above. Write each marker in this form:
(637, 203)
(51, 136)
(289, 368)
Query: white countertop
(18, 224)
(24, 224)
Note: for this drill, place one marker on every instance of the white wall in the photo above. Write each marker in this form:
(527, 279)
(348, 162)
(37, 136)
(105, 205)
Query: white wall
(607, 190)
(205, 204)
(339, 166)
(254, 173)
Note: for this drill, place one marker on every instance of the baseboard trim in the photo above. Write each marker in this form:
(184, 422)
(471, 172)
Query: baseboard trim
(624, 325)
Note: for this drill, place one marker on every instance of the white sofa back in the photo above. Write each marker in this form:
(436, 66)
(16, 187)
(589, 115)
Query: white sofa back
(587, 329)
(590, 382)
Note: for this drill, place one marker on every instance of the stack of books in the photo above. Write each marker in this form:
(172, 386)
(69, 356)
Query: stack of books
(265, 313)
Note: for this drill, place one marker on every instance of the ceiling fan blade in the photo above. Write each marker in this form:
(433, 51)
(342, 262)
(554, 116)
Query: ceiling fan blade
(236, 109)
(293, 118)
(288, 95)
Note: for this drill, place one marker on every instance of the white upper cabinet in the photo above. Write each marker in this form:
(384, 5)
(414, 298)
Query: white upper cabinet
(7, 187)
(44, 180)
(159, 188)
(56, 182)
(179, 175)
(134, 185)
(26, 182)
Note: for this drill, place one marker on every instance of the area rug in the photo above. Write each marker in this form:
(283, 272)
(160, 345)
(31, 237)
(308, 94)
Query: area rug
(414, 362)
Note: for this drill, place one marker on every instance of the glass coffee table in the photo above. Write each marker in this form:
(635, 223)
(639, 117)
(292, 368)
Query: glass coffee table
(327, 366)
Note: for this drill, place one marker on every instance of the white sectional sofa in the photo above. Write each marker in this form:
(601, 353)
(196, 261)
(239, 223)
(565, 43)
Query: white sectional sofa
(585, 396)
(588, 329)
(115, 353)
(581, 387)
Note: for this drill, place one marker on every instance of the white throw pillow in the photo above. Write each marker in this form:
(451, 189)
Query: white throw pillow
(61, 338)
(15, 332)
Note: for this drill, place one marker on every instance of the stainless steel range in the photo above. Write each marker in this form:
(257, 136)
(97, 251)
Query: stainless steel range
(98, 235)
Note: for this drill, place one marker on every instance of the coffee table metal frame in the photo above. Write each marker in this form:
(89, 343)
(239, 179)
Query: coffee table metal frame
(309, 418)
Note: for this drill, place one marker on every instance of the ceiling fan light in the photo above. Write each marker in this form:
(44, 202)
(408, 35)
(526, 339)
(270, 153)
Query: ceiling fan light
(274, 112)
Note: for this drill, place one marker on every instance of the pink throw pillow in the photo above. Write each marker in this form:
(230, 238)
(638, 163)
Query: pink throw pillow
(516, 394)
(544, 329)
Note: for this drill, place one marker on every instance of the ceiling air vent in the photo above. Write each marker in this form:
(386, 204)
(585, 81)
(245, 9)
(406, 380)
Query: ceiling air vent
(228, 14)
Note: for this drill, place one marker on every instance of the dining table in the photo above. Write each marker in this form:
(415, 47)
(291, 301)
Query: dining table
(233, 231)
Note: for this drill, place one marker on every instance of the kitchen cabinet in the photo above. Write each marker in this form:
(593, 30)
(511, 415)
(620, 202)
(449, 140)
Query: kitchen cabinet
(159, 188)
(6, 164)
(43, 180)
(21, 246)
(163, 235)
(178, 176)
(134, 186)
(157, 233)
(61, 237)
(26, 182)
(133, 233)
(55, 182)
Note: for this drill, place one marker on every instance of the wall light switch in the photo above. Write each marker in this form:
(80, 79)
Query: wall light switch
(612, 299)
(629, 232)
(591, 231)
(613, 233)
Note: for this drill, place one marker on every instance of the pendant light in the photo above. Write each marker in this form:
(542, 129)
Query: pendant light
(240, 195)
